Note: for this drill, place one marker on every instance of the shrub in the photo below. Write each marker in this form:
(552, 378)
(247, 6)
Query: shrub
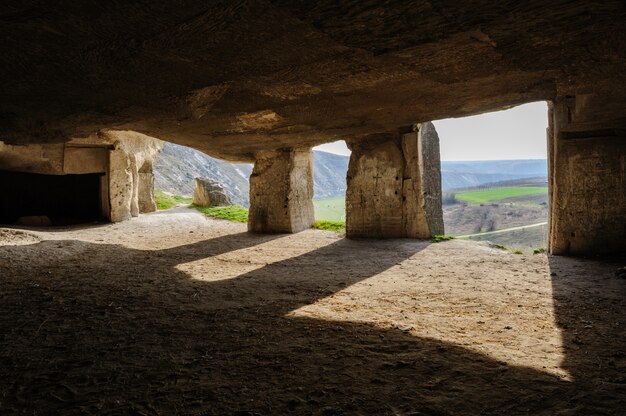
(540, 250)
(518, 252)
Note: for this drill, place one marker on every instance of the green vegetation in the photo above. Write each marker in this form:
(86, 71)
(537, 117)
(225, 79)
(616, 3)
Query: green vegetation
(336, 226)
(485, 196)
(518, 252)
(540, 250)
(166, 201)
(330, 209)
(232, 212)
(440, 238)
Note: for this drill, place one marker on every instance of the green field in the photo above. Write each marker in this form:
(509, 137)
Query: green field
(330, 209)
(485, 196)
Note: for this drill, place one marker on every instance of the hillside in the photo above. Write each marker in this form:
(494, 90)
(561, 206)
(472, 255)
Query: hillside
(329, 174)
(178, 166)
(468, 174)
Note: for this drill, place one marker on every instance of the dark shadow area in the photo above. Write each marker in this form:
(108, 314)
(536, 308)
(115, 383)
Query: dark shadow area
(590, 309)
(63, 199)
(104, 329)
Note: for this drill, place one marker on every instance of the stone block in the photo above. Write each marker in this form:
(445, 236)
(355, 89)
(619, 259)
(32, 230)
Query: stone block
(394, 186)
(209, 193)
(281, 192)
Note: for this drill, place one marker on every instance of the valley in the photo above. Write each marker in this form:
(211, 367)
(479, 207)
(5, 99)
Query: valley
(478, 196)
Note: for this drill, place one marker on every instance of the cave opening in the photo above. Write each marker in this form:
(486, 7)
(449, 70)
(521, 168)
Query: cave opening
(40, 199)
(494, 172)
(329, 179)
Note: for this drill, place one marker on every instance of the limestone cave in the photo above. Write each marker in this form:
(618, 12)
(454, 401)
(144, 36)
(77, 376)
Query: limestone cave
(110, 307)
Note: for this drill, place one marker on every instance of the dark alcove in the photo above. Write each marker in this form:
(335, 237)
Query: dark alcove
(54, 199)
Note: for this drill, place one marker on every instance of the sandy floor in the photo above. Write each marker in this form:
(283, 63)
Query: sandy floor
(173, 313)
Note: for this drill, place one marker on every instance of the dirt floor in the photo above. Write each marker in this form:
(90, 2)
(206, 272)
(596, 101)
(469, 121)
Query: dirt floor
(173, 313)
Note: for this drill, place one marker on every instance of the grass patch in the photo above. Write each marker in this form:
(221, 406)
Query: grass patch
(518, 252)
(336, 226)
(330, 209)
(235, 213)
(440, 238)
(166, 201)
(495, 194)
(539, 250)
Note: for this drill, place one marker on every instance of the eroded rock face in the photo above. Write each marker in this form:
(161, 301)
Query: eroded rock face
(394, 186)
(209, 193)
(240, 79)
(131, 182)
(235, 78)
(124, 159)
(587, 177)
(281, 192)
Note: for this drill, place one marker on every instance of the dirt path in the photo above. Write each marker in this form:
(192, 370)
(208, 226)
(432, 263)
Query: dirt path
(173, 313)
(522, 227)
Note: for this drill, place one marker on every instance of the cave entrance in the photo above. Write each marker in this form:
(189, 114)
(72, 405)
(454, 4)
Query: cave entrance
(40, 199)
(495, 177)
(330, 162)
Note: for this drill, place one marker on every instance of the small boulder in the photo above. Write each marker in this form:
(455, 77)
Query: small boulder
(209, 193)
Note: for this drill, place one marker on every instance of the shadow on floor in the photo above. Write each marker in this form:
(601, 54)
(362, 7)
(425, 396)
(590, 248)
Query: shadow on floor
(103, 329)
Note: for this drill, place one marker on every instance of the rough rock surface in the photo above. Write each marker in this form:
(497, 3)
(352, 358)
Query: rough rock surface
(131, 183)
(587, 182)
(394, 186)
(209, 193)
(233, 78)
(281, 192)
(125, 159)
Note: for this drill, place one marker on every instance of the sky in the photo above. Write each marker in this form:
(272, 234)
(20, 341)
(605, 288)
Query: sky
(517, 133)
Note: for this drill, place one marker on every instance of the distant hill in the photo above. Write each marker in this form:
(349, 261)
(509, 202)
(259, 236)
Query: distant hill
(177, 166)
(329, 174)
(467, 174)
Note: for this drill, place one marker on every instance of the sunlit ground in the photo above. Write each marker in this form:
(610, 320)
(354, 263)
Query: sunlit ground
(174, 311)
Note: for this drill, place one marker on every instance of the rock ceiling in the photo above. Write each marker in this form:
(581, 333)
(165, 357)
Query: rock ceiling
(234, 77)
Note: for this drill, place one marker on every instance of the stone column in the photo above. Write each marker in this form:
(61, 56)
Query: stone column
(281, 192)
(394, 186)
(587, 175)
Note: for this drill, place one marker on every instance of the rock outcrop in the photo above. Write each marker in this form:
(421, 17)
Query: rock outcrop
(209, 193)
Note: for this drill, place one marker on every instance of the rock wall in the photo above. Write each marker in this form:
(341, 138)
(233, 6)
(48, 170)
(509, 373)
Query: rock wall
(125, 160)
(394, 186)
(131, 181)
(281, 192)
(587, 157)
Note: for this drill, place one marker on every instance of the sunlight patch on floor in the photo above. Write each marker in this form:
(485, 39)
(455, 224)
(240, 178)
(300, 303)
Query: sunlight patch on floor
(489, 309)
(237, 263)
